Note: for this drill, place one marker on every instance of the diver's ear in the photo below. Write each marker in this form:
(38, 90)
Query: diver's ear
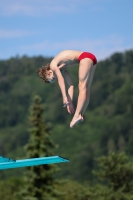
(50, 71)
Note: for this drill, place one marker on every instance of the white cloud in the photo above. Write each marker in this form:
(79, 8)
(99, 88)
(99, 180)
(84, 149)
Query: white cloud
(102, 48)
(14, 33)
(45, 7)
(36, 7)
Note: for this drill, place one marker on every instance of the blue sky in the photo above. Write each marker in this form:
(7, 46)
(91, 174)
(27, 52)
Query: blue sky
(46, 27)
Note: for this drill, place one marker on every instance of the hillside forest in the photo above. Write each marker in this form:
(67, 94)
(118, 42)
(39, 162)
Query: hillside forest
(107, 127)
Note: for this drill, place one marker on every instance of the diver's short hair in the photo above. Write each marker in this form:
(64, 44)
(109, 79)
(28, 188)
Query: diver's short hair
(43, 72)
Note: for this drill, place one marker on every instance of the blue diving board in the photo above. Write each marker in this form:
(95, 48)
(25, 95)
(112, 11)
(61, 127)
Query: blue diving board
(8, 163)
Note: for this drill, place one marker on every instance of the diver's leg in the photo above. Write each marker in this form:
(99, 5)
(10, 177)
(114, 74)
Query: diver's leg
(88, 91)
(85, 77)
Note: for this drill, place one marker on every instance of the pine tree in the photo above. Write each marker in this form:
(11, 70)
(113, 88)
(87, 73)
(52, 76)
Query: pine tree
(39, 181)
(117, 172)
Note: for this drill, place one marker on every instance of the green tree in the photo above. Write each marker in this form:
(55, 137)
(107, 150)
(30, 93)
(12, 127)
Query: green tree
(8, 187)
(39, 180)
(117, 172)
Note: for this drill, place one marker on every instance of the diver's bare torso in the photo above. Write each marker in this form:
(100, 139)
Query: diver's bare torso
(66, 58)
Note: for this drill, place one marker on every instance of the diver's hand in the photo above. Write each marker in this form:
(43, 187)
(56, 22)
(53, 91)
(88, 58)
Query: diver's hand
(70, 107)
(65, 102)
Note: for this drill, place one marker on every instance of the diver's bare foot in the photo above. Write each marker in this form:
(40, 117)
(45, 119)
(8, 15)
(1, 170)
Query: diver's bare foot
(76, 120)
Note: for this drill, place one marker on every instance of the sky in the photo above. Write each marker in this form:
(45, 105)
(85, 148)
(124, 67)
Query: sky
(46, 27)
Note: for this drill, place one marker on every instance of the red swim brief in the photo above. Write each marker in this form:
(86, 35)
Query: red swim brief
(87, 55)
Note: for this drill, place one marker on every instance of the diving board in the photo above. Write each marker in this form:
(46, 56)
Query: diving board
(8, 163)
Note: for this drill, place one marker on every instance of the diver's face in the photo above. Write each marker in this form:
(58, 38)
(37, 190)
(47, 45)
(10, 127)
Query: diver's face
(51, 76)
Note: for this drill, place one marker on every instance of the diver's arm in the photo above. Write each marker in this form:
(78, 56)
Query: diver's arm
(61, 83)
(69, 83)
(70, 107)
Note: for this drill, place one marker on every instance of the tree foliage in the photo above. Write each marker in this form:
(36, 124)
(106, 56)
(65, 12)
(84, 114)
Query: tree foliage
(108, 120)
(39, 180)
